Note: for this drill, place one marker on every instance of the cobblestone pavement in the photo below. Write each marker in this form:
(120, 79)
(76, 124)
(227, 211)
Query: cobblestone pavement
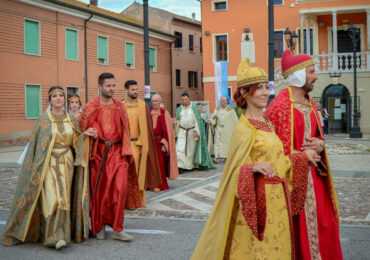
(192, 195)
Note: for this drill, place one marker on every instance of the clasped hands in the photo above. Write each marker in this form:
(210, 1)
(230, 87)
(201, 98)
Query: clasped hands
(91, 132)
(266, 169)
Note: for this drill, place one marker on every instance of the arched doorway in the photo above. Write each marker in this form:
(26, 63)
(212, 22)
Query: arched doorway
(337, 100)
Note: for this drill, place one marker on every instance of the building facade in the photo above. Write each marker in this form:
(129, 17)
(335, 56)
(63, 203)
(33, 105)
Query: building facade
(244, 33)
(69, 43)
(186, 50)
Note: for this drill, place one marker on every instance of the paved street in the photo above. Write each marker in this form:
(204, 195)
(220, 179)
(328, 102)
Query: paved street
(170, 224)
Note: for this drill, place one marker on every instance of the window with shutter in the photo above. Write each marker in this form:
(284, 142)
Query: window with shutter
(31, 37)
(130, 55)
(102, 50)
(152, 59)
(33, 104)
(71, 44)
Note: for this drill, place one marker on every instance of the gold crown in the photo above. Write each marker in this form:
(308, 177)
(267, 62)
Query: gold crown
(248, 75)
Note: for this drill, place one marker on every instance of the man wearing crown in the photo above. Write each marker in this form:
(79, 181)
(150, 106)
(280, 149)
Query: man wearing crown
(296, 122)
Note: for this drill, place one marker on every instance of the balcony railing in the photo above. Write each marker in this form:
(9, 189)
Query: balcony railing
(342, 62)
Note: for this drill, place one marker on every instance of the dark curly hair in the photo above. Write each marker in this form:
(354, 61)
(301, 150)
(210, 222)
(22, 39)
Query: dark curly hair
(53, 88)
(238, 97)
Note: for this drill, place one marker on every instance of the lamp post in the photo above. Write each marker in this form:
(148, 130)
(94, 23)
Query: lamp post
(354, 34)
(290, 36)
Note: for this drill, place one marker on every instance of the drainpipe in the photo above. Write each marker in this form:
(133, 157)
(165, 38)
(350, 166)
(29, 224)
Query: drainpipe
(172, 110)
(85, 46)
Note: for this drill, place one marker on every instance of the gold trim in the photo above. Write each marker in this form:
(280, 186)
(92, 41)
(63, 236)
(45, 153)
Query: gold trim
(56, 91)
(251, 81)
(297, 67)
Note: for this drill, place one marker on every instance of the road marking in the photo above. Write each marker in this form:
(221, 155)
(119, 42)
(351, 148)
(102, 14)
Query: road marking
(2, 222)
(368, 216)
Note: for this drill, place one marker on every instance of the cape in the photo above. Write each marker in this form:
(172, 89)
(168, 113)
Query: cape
(88, 116)
(25, 210)
(173, 172)
(150, 175)
(202, 157)
(280, 113)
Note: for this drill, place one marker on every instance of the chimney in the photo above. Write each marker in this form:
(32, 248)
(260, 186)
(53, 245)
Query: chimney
(193, 16)
(94, 2)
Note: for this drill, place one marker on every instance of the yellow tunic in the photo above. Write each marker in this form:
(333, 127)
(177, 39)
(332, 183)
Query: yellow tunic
(55, 199)
(226, 234)
(277, 236)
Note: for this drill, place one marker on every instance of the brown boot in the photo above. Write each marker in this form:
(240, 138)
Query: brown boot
(215, 160)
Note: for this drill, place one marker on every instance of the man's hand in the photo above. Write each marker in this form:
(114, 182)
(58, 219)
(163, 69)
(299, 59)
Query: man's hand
(209, 122)
(91, 132)
(311, 143)
(195, 134)
(174, 121)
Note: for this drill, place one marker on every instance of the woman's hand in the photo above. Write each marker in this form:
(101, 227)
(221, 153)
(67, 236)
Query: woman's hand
(312, 156)
(264, 168)
(91, 132)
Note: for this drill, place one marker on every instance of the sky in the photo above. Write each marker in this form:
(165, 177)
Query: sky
(181, 7)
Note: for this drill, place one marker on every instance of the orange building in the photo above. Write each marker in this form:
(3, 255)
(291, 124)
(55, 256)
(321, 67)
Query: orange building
(43, 43)
(186, 51)
(243, 32)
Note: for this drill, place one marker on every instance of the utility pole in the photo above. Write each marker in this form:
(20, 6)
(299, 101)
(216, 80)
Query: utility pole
(271, 47)
(146, 51)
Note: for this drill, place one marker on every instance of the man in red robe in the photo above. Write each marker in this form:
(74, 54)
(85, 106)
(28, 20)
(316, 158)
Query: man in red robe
(113, 182)
(164, 138)
(296, 122)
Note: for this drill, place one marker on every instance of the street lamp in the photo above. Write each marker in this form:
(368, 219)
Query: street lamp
(354, 34)
(290, 39)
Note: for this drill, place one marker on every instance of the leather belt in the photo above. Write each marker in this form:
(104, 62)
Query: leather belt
(108, 145)
(158, 136)
(186, 137)
(57, 157)
(134, 139)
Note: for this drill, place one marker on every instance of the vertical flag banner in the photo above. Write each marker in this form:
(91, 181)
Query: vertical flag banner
(221, 81)
(147, 92)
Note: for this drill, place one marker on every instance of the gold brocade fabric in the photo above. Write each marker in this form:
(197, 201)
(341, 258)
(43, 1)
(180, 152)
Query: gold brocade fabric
(277, 243)
(133, 117)
(55, 199)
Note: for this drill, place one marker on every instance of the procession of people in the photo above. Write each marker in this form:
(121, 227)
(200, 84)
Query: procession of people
(276, 198)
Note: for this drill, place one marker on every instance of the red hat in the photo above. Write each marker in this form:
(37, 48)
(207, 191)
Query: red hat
(291, 63)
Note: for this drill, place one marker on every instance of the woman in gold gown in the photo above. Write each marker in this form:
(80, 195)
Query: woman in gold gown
(51, 199)
(259, 189)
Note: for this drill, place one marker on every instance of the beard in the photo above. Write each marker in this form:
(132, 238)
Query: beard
(133, 96)
(308, 87)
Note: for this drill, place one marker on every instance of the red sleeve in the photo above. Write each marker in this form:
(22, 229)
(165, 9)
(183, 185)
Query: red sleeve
(300, 179)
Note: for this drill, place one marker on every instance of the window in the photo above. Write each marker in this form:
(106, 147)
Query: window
(31, 37)
(221, 48)
(191, 43)
(304, 41)
(130, 55)
(71, 44)
(219, 5)
(278, 44)
(102, 50)
(193, 79)
(178, 42)
(73, 91)
(152, 59)
(33, 104)
(201, 79)
(200, 45)
(178, 78)
(278, 2)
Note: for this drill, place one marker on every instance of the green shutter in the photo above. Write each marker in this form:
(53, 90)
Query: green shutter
(129, 53)
(71, 44)
(151, 57)
(31, 37)
(102, 48)
(32, 101)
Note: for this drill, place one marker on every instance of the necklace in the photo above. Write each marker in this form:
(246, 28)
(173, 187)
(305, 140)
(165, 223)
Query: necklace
(59, 120)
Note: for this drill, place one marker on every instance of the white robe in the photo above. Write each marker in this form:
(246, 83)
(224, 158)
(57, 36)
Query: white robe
(185, 158)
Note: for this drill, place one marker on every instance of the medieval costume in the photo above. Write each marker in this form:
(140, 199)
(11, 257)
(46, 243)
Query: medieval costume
(43, 210)
(113, 182)
(219, 134)
(191, 152)
(143, 147)
(252, 214)
(164, 137)
(316, 228)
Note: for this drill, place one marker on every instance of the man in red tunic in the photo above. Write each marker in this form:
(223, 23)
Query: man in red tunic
(296, 122)
(113, 182)
(164, 138)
